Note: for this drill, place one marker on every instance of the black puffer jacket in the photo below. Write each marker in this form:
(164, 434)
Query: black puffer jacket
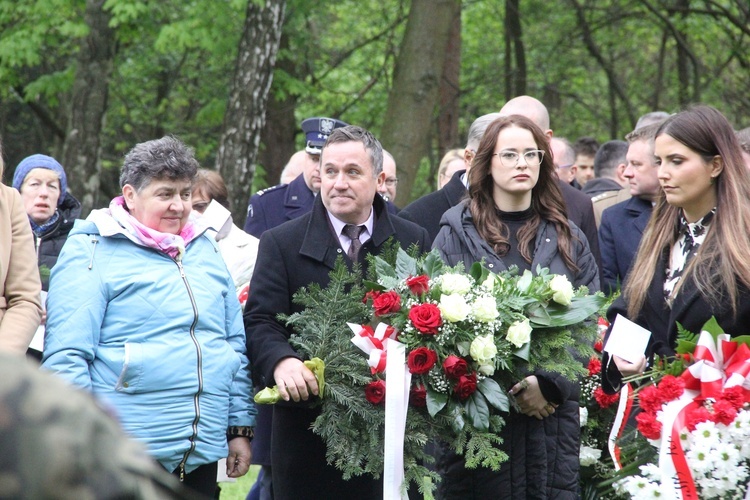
(543, 461)
(49, 243)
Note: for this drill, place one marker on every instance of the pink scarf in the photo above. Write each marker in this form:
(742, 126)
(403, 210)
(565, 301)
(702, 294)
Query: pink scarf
(171, 244)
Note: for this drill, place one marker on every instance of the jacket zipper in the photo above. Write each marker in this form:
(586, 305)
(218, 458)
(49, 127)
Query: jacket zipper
(196, 397)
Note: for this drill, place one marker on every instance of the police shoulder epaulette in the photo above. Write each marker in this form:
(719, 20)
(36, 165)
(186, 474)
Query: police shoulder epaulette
(270, 189)
(603, 196)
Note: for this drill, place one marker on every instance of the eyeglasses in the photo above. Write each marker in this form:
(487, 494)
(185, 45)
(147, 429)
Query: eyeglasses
(510, 158)
(391, 182)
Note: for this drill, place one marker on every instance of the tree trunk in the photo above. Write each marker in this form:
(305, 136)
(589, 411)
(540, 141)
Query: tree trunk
(246, 108)
(278, 134)
(88, 106)
(414, 95)
(515, 74)
(450, 90)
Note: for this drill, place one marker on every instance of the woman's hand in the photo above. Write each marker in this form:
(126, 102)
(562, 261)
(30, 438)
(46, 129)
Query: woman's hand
(238, 459)
(530, 399)
(627, 368)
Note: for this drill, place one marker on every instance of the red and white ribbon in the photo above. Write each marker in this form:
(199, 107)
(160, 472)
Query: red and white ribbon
(374, 343)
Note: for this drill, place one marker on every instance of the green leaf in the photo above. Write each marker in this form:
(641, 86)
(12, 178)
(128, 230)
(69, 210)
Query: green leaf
(478, 411)
(383, 268)
(406, 265)
(477, 272)
(580, 309)
(372, 285)
(433, 265)
(712, 326)
(524, 282)
(524, 351)
(494, 394)
(436, 401)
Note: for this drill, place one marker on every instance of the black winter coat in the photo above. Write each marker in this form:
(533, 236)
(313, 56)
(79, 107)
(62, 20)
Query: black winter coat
(543, 453)
(690, 308)
(292, 256)
(49, 243)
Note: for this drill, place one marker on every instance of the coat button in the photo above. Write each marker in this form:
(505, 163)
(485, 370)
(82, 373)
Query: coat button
(491, 266)
(338, 250)
(547, 240)
(125, 385)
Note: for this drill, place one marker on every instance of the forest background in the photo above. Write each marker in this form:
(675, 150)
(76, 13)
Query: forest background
(85, 80)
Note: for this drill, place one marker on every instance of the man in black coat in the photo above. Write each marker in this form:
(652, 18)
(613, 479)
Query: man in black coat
(297, 254)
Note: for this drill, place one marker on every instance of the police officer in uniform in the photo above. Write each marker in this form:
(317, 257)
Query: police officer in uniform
(275, 205)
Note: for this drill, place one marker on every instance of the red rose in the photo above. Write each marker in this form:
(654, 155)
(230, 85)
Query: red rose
(696, 416)
(426, 318)
(650, 399)
(420, 360)
(595, 366)
(466, 386)
(724, 412)
(418, 396)
(598, 345)
(603, 399)
(648, 425)
(671, 387)
(371, 295)
(386, 303)
(375, 392)
(418, 284)
(455, 367)
(734, 395)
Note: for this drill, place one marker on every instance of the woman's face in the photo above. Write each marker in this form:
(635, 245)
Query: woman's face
(163, 205)
(686, 177)
(40, 192)
(513, 184)
(200, 201)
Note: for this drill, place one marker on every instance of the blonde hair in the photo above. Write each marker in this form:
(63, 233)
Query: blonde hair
(721, 262)
(451, 155)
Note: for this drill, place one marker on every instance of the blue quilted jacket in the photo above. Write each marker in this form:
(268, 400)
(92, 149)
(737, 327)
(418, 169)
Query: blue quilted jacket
(159, 341)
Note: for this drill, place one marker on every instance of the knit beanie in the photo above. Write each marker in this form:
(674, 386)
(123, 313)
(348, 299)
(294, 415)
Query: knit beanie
(41, 161)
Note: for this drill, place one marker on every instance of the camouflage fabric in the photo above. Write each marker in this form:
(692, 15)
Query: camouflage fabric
(57, 443)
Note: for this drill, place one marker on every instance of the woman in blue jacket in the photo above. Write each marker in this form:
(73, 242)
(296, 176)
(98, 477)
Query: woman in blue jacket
(142, 312)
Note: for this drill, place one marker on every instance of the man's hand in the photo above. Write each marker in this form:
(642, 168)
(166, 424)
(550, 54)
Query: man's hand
(627, 368)
(294, 380)
(238, 459)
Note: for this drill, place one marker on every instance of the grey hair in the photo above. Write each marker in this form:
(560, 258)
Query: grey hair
(358, 134)
(569, 154)
(650, 118)
(165, 158)
(477, 129)
(608, 157)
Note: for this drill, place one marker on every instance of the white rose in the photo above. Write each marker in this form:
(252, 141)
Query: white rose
(485, 309)
(563, 290)
(491, 280)
(454, 307)
(519, 333)
(487, 370)
(584, 415)
(483, 349)
(455, 283)
(589, 456)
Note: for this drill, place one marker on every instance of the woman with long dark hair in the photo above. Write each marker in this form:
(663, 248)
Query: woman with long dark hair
(515, 215)
(692, 261)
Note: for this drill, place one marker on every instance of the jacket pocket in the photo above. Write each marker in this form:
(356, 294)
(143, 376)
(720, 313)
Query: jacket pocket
(132, 369)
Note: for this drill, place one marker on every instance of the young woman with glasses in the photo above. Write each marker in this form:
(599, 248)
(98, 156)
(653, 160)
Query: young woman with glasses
(515, 215)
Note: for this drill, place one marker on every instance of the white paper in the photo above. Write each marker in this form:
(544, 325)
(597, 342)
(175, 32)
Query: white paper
(37, 343)
(627, 340)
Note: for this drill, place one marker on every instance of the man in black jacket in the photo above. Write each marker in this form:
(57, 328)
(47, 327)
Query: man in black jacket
(296, 254)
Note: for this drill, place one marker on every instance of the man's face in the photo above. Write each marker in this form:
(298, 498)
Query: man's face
(388, 189)
(565, 172)
(312, 172)
(642, 171)
(348, 184)
(584, 169)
